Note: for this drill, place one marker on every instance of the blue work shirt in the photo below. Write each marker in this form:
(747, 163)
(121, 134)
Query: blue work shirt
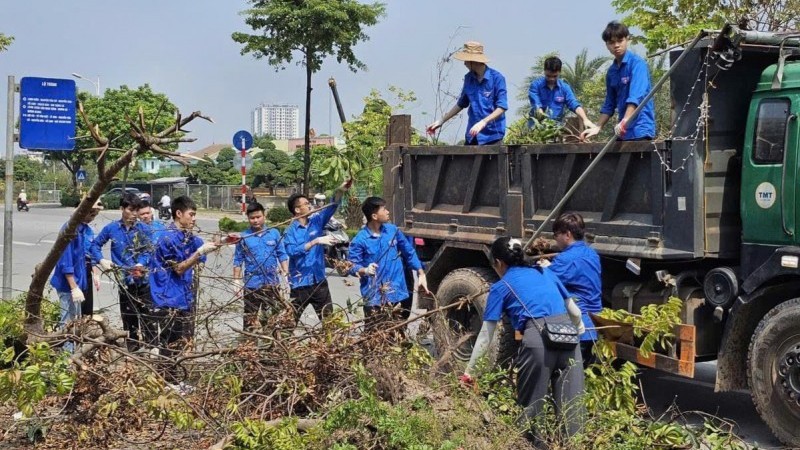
(629, 83)
(72, 262)
(307, 268)
(578, 268)
(167, 288)
(552, 101)
(155, 229)
(88, 237)
(386, 250)
(261, 254)
(482, 98)
(129, 246)
(540, 292)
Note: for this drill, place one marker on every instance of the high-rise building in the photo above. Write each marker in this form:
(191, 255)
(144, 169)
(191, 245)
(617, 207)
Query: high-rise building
(279, 121)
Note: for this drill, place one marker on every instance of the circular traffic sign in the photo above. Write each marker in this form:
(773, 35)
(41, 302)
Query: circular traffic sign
(242, 140)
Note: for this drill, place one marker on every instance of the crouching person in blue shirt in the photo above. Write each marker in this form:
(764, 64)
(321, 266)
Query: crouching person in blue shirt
(130, 253)
(378, 253)
(171, 269)
(578, 268)
(528, 296)
(263, 255)
(70, 276)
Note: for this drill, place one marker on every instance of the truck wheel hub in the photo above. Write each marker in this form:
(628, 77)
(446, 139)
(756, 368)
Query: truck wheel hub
(789, 374)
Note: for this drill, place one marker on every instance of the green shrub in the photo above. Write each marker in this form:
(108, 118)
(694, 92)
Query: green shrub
(229, 225)
(70, 198)
(278, 214)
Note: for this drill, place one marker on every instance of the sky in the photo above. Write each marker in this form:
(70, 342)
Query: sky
(183, 48)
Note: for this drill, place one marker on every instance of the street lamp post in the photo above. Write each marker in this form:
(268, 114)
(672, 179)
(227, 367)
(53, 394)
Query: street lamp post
(95, 83)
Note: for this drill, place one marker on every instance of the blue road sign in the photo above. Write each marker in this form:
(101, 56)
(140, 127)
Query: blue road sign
(47, 114)
(80, 175)
(242, 139)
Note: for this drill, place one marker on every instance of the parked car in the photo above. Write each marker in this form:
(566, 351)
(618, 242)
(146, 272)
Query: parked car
(113, 196)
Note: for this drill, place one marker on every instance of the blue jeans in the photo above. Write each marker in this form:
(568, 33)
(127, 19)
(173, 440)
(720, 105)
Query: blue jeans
(69, 310)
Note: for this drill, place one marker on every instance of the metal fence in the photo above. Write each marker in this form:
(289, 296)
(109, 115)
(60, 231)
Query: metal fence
(223, 197)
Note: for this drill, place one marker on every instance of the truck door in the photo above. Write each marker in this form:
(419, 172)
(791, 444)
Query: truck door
(769, 175)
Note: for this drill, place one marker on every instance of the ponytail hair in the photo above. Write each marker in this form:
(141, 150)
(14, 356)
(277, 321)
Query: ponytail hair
(509, 251)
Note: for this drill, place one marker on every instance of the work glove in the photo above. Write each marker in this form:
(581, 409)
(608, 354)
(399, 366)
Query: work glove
(430, 129)
(106, 265)
(477, 128)
(207, 248)
(466, 380)
(621, 128)
(371, 269)
(326, 240)
(591, 132)
(539, 114)
(422, 283)
(77, 295)
(575, 315)
(589, 124)
(238, 287)
(543, 262)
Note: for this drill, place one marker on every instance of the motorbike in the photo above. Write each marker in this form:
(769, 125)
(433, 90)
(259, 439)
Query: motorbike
(336, 254)
(22, 205)
(164, 212)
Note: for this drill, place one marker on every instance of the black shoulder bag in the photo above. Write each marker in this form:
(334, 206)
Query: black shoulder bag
(556, 336)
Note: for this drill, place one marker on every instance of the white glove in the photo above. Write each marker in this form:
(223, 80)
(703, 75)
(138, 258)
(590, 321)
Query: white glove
(207, 248)
(238, 286)
(575, 315)
(543, 262)
(621, 128)
(326, 240)
(430, 129)
(422, 283)
(589, 124)
(77, 295)
(371, 269)
(106, 265)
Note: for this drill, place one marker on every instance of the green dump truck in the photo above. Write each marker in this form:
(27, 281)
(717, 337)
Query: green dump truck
(714, 209)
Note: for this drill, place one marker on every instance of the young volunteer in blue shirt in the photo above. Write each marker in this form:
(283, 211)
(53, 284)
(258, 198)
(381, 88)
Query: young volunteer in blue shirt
(130, 252)
(484, 93)
(156, 227)
(578, 268)
(305, 242)
(171, 270)
(627, 84)
(262, 253)
(70, 276)
(379, 252)
(552, 97)
(526, 294)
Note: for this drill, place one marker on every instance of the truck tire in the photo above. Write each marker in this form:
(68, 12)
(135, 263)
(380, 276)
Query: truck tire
(773, 370)
(450, 327)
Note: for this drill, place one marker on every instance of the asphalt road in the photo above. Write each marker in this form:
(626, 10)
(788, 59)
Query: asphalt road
(35, 232)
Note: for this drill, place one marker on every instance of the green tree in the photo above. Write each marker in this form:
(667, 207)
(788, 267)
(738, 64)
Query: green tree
(267, 167)
(264, 142)
(671, 22)
(366, 138)
(225, 159)
(110, 113)
(5, 42)
(314, 29)
(25, 169)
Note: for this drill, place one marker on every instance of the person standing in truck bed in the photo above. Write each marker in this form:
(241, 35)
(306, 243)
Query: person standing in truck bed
(627, 84)
(551, 97)
(484, 93)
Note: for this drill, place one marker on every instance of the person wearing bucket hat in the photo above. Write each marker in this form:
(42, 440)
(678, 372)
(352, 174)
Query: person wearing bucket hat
(484, 93)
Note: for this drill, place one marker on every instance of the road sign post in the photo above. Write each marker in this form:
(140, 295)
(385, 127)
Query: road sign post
(8, 223)
(243, 141)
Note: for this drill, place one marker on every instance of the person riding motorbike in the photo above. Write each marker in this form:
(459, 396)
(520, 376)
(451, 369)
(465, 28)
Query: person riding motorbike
(22, 201)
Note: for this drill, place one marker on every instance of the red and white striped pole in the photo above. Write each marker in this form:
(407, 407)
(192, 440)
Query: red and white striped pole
(244, 183)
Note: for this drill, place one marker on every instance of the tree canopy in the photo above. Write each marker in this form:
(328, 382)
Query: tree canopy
(5, 41)
(671, 22)
(109, 112)
(312, 30)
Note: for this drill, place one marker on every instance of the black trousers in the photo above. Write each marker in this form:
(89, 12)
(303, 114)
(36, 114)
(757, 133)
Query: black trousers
(259, 304)
(134, 301)
(317, 295)
(549, 375)
(87, 307)
(171, 331)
